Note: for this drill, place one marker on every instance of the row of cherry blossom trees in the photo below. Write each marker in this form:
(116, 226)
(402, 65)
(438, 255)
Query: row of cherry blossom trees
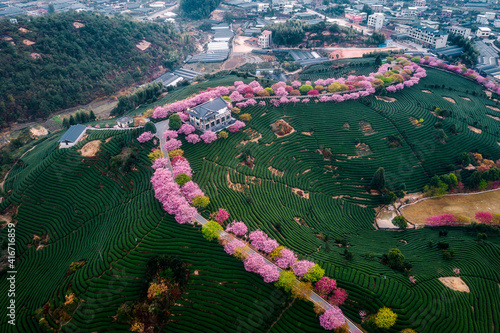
(454, 220)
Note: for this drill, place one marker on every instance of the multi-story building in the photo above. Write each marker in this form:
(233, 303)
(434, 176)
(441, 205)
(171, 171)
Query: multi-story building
(265, 39)
(446, 13)
(401, 28)
(490, 16)
(428, 36)
(419, 3)
(376, 21)
(465, 32)
(481, 19)
(262, 7)
(377, 8)
(410, 11)
(483, 32)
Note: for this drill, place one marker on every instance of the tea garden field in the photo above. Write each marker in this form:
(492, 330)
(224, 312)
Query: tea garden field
(114, 223)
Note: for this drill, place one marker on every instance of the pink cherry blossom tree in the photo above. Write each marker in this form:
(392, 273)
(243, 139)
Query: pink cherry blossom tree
(208, 137)
(172, 144)
(286, 259)
(232, 245)
(170, 134)
(220, 216)
(186, 129)
(301, 267)
(254, 262)
(237, 228)
(269, 272)
(146, 136)
(325, 286)
(193, 138)
(333, 318)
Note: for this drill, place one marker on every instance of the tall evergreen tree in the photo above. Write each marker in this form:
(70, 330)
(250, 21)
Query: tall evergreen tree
(378, 181)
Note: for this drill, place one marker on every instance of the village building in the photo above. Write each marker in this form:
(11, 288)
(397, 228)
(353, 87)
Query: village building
(124, 121)
(72, 136)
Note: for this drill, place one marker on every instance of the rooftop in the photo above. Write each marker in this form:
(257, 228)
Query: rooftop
(208, 108)
(73, 133)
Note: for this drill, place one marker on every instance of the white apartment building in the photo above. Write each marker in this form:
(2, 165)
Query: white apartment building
(483, 32)
(262, 7)
(402, 28)
(376, 21)
(265, 39)
(378, 8)
(428, 36)
(465, 32)
(481, 19)
(490, 16)
(419, 3)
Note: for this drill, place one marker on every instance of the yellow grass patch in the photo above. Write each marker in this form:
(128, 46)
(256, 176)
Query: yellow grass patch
(427, 91)
(475, 130)
(143, 45)
(91, 148)
(455, 283)
(386, 99)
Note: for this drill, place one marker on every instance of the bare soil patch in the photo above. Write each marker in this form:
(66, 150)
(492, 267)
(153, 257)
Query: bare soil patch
(362, 149)
(90, 149)
(493, 117)
(282, 128)
(300, 193)
(384, 218)
(455, 283)
(475, 130)
(307, 133)
(143, 45)
(78, 25)
(466, 205)
(492, 107)
(38, 131)
(366, 128)
(346, 126)
(415, 122)
(35, 55)
(466, 98)
(386, 99)
(24, 30)
(276, 172)
(426, 91)
(253, 134)
(28, 42)
(234, 186)
(449, 99)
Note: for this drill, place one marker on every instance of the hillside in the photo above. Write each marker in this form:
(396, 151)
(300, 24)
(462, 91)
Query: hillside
(63, 60)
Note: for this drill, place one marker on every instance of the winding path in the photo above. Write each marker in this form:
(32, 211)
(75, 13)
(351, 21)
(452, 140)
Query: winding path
(313, 297)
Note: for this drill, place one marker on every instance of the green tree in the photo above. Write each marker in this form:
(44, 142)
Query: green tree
(378, 181)
(314, 274)
(174, 122)
(201, 201)
(286, 281)
(378, 61)
(72, 120)
(65, 122)
(149, 126)
(182, 179)
(385, 318)
(92, 115)
(400, 221)
(389, 198)
(211, 230)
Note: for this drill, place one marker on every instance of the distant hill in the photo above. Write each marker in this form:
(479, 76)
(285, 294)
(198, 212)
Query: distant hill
(58, 61)
(198, 9)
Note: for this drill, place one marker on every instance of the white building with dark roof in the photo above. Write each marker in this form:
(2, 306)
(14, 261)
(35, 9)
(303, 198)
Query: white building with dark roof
(428, 36)
(213, 115)
(72, 136)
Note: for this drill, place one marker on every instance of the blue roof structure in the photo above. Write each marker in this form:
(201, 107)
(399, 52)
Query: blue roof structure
(73, 133)
(207, 109)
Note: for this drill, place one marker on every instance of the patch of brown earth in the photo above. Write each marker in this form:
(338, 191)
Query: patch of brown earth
(90, 149)
(449, 99)
(109, 139)
(306, 171)
(143, 45)
(415, 122)
(263, 114)
(276, 172)
(427, 91)
(78, 25)
(234, 186)
(35, 55)
(493, 117)
(300, 193)
(386, 99)
(362, 149)
(346, 126)
(492, 107)
(475, 130)
(284, 124)
(28, 42)
(307, 133)
(366, 128)
(38, 131)
(24, 30)
(253, 134)
(455, 283)
(466, 98)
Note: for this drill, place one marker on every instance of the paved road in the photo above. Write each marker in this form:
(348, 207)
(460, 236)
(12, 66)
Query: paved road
(313, 297)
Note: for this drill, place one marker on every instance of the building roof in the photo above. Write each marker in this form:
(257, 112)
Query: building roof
(208, 108)
(429, 30)
(73, 133)
(485, 29)
(266, 32)
(124, 119)
(223, 33)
